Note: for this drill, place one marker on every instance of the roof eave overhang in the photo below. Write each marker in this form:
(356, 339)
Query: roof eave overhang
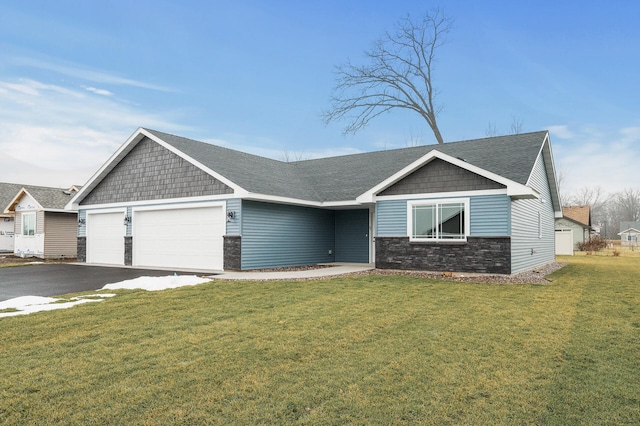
(124, 149)
(514, 189)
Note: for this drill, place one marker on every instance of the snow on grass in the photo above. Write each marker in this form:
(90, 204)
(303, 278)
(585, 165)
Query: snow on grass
(28, 304)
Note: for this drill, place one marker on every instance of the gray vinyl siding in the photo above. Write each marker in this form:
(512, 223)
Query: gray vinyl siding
(40, 222)
(352, 236)
(489, 216)
(281, 235)
(528, 250)
(60, 235)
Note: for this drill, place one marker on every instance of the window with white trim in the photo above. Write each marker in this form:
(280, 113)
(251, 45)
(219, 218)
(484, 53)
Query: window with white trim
(438, 220)
(29, 224)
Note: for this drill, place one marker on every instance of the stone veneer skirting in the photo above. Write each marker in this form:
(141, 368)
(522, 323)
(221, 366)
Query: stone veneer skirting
(477, 254)
(82, 249)
(128, 251)
(232, 253)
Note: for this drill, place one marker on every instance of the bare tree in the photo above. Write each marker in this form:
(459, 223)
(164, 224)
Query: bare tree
(399, 76)
(516, 125)
(491, 130)
(628, 204)
(595, 198)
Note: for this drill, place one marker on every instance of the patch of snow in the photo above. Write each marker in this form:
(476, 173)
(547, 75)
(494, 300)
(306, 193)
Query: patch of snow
(27, 304)
(157, 283)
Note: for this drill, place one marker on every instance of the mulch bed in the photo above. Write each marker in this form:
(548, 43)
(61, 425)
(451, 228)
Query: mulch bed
(9, 259)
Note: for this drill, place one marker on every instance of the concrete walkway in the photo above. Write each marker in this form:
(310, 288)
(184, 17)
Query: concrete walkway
(334, 270)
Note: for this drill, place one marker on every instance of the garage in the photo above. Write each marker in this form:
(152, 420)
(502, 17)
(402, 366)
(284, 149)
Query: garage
(179, 237)
(564, 242)
(105, 237)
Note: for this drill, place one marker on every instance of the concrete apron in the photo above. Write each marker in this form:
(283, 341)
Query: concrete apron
(334, 270)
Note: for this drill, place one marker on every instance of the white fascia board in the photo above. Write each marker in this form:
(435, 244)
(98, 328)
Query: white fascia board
(156, 202)
(124, 149)
(443, 195)
(299, 202)
(514, 189)
(60, 211)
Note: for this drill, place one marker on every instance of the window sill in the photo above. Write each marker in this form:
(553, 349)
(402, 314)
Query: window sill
(438, 242)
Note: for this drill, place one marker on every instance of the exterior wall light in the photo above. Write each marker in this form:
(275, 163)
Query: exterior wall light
(127, 220)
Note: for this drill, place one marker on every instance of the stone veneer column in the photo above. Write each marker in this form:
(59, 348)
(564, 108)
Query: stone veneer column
(232, 253)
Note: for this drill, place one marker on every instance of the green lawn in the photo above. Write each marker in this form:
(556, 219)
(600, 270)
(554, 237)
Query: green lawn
(358, 350)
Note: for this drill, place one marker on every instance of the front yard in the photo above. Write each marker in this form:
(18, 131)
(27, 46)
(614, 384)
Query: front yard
(365, 350)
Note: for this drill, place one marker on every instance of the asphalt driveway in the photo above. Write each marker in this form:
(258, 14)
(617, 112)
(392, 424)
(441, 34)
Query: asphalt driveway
(57, 279)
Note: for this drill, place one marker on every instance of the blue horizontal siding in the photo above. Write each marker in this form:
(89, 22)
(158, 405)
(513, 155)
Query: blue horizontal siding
(490, 216)
(391, 218)
(276, 235)
(233, 225)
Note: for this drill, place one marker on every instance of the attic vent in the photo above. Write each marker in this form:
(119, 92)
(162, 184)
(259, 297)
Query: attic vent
(66, 192)
(460, 158)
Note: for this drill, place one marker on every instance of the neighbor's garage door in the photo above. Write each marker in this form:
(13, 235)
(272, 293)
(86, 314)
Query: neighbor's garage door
(564, 242)
(105, 238)
(179, 238)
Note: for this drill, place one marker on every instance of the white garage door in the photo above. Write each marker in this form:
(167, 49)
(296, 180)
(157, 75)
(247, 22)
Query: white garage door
(564, 242)
(189, 238)
(105, 238)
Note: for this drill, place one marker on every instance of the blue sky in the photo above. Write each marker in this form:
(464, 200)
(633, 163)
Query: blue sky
(78, 77)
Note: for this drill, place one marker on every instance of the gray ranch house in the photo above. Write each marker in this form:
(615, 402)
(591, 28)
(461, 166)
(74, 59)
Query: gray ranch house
(485, 205)
(629, 234)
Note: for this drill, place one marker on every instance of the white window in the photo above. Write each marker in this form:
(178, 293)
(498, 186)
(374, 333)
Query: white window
(438, 220)
(29, 224)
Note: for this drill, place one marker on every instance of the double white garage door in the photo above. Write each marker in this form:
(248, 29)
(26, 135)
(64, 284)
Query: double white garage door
(190, 238)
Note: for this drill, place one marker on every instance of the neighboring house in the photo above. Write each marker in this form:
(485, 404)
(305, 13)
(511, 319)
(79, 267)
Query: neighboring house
(42, 226)
(7, 192)
(573, 228)
(629, 234)
(485, 205)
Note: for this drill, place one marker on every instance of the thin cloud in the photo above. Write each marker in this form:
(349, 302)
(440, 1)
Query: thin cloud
(55, 136)
(96, 76)
(102, 92)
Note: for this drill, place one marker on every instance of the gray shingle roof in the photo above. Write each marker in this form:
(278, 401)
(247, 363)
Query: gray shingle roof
(49, 198)
(346, 177)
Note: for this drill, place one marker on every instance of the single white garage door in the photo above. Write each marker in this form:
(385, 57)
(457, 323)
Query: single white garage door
(189, 238)
(564, 242)
(105, 238)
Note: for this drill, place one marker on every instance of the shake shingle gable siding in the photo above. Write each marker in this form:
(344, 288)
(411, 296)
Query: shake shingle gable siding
(440, 176)
(351, 208)
(151, 172)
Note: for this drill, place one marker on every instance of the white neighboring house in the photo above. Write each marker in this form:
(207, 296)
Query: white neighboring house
(7, 192)
(572, 229)
(42, 227)
(629, 234)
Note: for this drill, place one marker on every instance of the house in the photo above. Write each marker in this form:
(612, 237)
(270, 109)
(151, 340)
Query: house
(629, 234)
(42, 226)
(485, 205)
(7, 192)
(573, 228)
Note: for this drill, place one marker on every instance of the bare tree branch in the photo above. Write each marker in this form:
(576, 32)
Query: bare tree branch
(398, 76)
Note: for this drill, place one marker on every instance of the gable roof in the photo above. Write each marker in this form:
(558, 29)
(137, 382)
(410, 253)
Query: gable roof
(628, 226)
(7, 192)
(578, 214)
(50, 199)
(342, 179)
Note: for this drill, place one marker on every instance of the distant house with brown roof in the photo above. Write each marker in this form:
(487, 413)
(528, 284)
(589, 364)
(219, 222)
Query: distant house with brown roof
(576, 221)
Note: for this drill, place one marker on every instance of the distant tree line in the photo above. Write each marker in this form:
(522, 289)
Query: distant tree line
(607, 209)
